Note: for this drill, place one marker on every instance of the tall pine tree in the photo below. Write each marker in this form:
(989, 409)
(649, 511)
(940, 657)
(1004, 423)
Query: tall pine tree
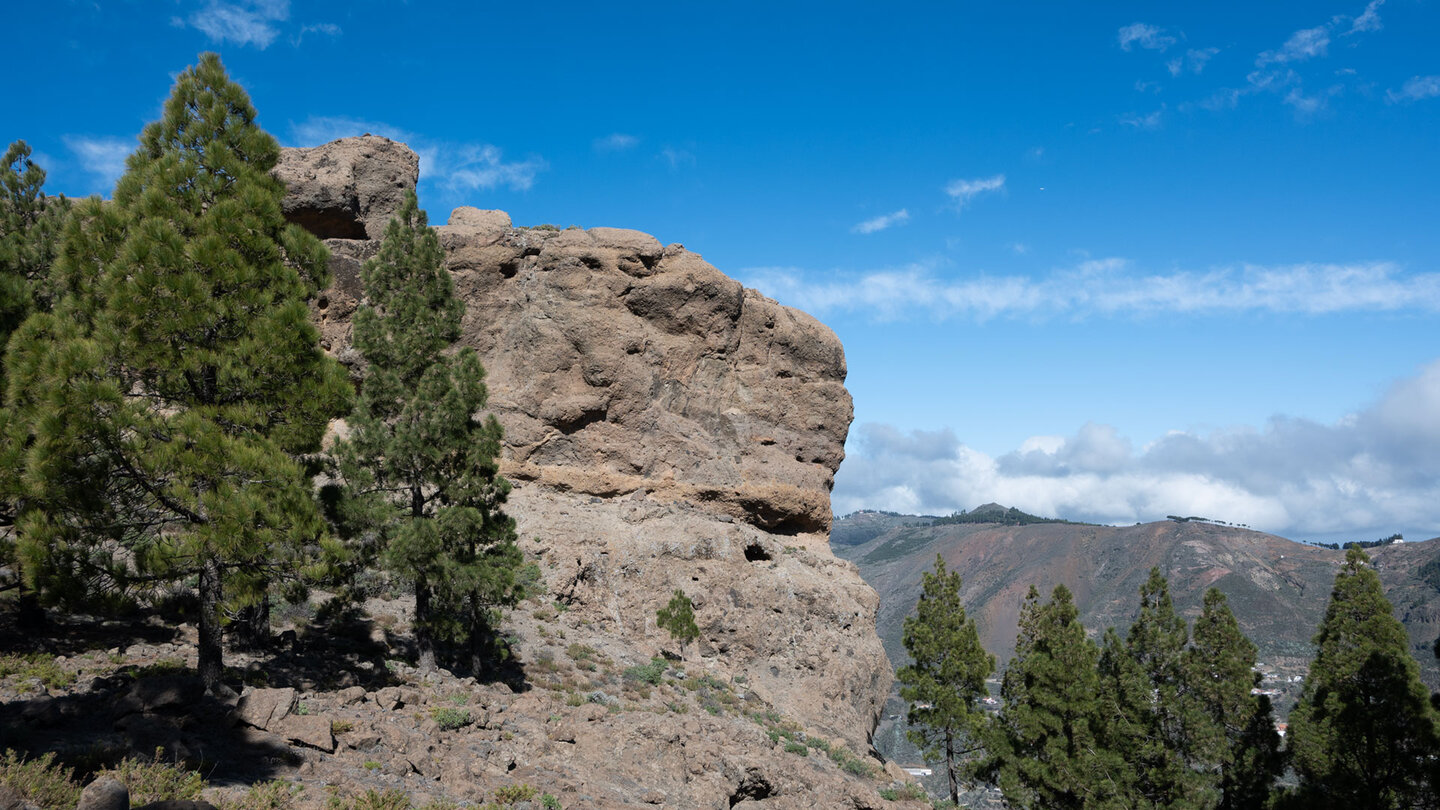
(1152, 718)
(164, 402)
(946, 679)
(30, 225)
(1242, 745)
(1364, 731)
(420, 467)
(1045, 746)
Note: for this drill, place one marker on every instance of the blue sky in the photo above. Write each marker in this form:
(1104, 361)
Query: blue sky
(1103, 261)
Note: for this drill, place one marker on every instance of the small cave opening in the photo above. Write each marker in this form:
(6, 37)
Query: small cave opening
(754, 786)
(756, 553)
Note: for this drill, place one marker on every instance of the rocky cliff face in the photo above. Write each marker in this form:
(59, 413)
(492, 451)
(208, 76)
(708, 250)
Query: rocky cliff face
(665, 428)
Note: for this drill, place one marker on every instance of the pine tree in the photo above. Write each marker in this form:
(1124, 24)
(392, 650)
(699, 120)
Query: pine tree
(420, 468)
(30, 224)
(1046, 742)
(946, 679)
(1242, 744)
(1153, 720)
(165, 400)
(1363, 731)
(678, 616)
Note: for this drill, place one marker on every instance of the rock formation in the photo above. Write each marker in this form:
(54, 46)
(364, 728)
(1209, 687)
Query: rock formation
(665, 428)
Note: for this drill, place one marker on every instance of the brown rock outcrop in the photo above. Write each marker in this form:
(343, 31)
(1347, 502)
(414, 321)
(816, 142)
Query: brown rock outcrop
(665, 428)
(347, 189)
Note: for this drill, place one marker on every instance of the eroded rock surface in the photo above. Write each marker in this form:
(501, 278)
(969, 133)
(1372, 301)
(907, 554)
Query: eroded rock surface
(347, 189)
(665, 428)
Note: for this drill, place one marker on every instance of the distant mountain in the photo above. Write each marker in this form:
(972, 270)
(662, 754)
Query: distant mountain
(1277, 588)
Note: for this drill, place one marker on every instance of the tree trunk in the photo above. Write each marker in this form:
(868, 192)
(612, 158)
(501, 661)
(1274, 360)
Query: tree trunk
(477, 640)
(252, 627)
(211, 652)
(424, 641)
(950, 770)
(29, 616)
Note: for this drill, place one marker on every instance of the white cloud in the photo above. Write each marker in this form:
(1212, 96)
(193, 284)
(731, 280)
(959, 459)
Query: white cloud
(1369, 19)
(1106, 288)
(1305, 105)
(466, 167)
(1193, 61)
(882, 222)
(102, 157)
(327, 29)
(454, 166)
(676, 158)
(616, 142)
(963, 191)
(245, 22)
(1370, 473)
(1418, 88)
(1146, 36)
(1150, 120)
(1304, 44)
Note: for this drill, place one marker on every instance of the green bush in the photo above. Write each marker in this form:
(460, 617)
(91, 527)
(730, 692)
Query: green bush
(40, 781)
(511, 794)
(276, 794)
(391, 799)
(650, 673)
(904, 793)
(156, 780)
(35, 665)
(797, 748)
(549, 802)
(450, 717)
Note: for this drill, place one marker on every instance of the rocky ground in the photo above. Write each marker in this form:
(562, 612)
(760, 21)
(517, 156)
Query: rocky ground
(588, 715)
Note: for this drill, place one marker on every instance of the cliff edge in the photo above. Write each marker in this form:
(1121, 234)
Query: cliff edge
(665, 428)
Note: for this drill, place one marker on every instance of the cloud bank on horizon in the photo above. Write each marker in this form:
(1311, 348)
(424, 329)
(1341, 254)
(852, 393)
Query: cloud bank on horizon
(1374, 472)
(1103, 287)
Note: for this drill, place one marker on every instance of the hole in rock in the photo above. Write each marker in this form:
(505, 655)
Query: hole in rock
(753, 786)
(754, 553)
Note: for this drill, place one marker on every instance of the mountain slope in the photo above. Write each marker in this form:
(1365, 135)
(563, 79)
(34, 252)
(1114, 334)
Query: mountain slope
(1277, 588)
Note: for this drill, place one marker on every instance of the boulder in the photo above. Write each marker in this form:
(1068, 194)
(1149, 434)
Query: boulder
(105, 793)
(348, 188)
(264, 708)
(308, 730)
(158, 693)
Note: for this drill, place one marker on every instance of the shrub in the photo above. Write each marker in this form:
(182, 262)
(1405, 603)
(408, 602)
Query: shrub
(530, 580)
(678, 616)
(273, 795)
(450, 718)
(156, 780)
(650, 673)
(391, 799)
(511, 794)
(582, 652)
(35, 665)
(549, 802)
(797, 748)
(40, 781)
(905, 792)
